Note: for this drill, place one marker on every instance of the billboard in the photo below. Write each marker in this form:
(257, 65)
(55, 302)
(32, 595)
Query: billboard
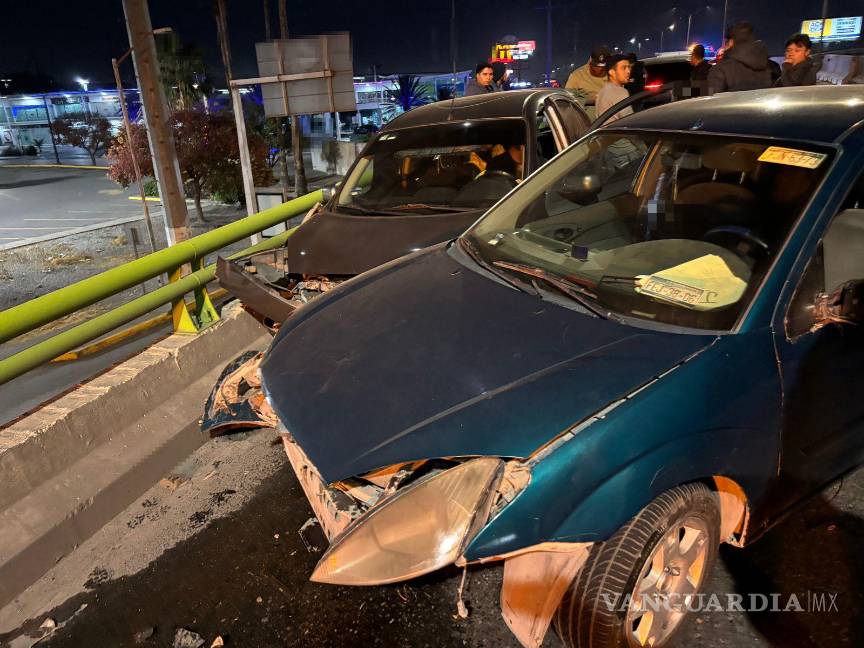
(836, 29)
(509, 52)
(310, 57)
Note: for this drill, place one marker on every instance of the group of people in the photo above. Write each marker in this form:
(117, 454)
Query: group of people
(608, 78)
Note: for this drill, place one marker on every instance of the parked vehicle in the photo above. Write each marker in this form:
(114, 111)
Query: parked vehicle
(651, 347)
(425, 178)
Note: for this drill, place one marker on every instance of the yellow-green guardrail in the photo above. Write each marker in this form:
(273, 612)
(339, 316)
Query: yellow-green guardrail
(32, 314)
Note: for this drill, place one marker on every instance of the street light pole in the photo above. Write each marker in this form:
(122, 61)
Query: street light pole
(687, 38)
(723, 25)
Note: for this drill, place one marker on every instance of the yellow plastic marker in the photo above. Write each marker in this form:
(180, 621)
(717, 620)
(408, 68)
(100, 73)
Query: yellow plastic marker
(702, 284)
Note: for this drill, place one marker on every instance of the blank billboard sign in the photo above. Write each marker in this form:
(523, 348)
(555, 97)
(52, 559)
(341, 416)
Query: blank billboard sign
(327, 56)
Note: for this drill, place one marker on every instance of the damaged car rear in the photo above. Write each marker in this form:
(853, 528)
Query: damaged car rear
(650, 348)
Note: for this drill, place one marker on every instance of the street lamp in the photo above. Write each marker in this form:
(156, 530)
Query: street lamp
(689, 22)
(663, 31)
(84, 83)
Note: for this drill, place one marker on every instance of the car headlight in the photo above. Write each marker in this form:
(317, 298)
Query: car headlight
(420, 529)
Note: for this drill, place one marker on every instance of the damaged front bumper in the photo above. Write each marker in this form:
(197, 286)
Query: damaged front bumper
(535, 578)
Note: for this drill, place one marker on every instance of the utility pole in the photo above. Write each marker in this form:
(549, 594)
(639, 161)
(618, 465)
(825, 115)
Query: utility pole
(267, 35)
(115, 63)
(824, 20)
(723, 25)
(300, 186)
(221, 14)
(549, 41)
(157, 120)
(452, 40)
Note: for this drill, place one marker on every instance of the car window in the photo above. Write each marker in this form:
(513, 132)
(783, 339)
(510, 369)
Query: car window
(677, 229)
(423, 170)
(574, 120)
(546, 147)
(838, 259)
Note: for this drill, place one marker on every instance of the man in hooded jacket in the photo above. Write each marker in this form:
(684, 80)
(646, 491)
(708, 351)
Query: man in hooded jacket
(745, 63)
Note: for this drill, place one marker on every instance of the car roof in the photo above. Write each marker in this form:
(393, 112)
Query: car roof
(494, 104)
(814, 113)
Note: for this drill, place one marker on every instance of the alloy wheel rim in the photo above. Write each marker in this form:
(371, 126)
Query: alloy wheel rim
(669, 580)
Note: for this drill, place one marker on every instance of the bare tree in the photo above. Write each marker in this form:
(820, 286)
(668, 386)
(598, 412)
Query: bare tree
(300, 186)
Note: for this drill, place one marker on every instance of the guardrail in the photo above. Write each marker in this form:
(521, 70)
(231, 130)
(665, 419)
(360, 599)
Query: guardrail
(30, 315)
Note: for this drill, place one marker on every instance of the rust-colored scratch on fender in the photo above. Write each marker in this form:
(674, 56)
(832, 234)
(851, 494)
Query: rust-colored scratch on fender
(534, 583)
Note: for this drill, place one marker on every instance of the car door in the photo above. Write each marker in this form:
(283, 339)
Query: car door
(558, 124)
(821, 362)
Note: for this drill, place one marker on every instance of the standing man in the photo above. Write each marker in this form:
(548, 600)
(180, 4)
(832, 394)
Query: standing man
(482, 82)
(587, 80)
(701, 67)
(798, 68)
(613, 91)
(744, 65)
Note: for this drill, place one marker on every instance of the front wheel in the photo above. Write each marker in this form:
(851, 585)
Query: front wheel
(634, 588)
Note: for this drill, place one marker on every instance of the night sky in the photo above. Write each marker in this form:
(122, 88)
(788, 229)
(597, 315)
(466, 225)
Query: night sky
(66, 39)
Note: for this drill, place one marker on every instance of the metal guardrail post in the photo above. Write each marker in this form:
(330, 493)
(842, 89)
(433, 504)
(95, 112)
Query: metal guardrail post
(205, 314)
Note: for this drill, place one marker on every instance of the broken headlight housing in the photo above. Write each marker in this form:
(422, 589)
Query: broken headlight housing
(418, 530)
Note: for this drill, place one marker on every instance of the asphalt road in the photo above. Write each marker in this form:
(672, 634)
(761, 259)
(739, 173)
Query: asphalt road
(220, 556)
(37, 201)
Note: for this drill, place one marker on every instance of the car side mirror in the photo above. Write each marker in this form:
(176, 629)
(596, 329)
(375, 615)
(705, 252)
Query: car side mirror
(843, 305)
(580, 188)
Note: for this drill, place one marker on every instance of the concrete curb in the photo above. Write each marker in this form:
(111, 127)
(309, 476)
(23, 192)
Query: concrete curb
(73, 465)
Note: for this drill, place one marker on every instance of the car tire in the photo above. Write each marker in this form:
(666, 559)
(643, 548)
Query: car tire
(594, 612)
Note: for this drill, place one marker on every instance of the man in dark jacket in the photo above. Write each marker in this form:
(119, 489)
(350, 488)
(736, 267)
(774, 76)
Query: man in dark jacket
(482, 81)
(700, 66)
(798, 68)
(744, 65)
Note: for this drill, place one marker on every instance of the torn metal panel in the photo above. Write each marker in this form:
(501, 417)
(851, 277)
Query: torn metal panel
(237, 400)
(257, 296)
(734, 512)
(534, 584)
(334, 508)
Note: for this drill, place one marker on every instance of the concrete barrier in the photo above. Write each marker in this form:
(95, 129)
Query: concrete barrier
(73, 465)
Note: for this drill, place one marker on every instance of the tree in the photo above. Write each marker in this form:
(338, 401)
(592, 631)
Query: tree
(93, 134)
(406, 93)
(208, 154)
(181, 67)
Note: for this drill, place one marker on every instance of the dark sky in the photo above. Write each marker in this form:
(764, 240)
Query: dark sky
(65, 39)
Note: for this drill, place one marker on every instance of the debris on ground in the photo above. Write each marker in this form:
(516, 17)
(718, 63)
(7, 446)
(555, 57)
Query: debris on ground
(312, 535)
(187, 639)
(218, 642)
(48, 625)
(172, 482)
(143, 635)
(461, 608)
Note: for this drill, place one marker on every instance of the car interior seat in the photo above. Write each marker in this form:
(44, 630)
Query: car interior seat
(725, 198)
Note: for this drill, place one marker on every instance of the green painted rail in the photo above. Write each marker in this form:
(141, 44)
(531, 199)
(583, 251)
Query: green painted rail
(31, 315)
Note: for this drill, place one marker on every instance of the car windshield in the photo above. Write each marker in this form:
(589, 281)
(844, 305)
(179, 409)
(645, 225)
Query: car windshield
(673, 228)
(442, 167)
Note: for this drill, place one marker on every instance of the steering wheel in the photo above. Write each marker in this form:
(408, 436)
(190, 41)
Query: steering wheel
(498, 173)
(743, 233)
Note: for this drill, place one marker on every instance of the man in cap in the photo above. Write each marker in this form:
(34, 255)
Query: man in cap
(586, 81)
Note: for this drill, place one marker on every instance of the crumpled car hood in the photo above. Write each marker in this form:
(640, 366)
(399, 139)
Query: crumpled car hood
(428, 358)
(344, 244)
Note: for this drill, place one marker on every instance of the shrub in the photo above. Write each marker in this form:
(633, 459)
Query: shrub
(10, 151)
(151, 189)
(29, 150)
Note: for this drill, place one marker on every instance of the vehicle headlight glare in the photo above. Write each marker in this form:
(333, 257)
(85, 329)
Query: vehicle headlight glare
(420, 529)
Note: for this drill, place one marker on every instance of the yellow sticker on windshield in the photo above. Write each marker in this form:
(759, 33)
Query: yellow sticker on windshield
(702, 284)
(792, 157)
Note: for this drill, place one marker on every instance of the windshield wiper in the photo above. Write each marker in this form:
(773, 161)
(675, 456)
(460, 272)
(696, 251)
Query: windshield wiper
(442, 208)
(577, 293)
(468, 247)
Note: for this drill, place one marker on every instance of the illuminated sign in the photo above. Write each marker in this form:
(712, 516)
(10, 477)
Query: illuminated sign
(836, 29)
(507, 53)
